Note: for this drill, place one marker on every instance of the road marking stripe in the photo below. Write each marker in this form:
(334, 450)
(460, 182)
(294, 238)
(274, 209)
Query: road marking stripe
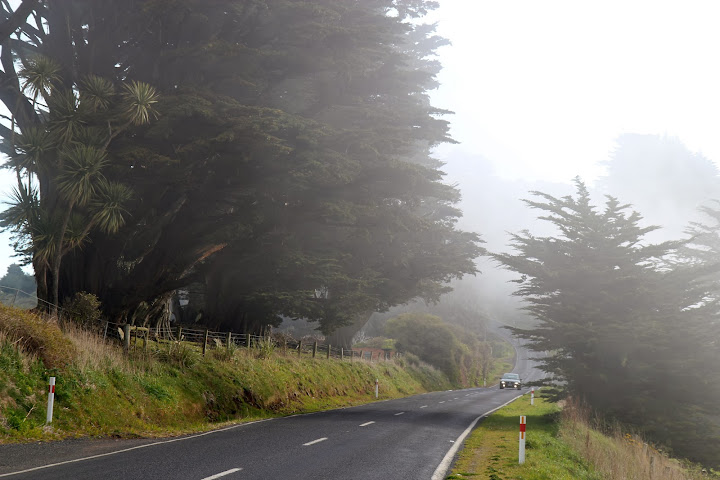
(443, 401)
(424, 406)
(314, 442)
(442, 469)
(399, 413)
(222, 474)
(366, 424)
(189, 437)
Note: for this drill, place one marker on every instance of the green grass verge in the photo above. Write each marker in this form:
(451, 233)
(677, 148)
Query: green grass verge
(491, 451)
(170, 388)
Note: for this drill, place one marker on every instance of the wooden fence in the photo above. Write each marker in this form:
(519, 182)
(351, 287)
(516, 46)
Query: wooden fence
(133, 337)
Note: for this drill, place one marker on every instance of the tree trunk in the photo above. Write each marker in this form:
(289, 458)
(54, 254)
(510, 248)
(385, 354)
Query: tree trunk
(57, 258)
(42, 287)
(342, 337)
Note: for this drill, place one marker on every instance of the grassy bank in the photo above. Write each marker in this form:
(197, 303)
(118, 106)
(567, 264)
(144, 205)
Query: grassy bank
(172, 388)
(561, 443)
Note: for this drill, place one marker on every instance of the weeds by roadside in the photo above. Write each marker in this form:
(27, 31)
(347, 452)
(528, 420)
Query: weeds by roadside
(563, 442)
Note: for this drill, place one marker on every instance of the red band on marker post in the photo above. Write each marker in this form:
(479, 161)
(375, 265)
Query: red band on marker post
(521, 450)
(51, 400)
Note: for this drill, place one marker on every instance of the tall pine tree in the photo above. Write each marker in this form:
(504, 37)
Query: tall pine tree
(624, 327)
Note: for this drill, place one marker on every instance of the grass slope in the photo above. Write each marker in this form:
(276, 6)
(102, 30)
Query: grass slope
(171, 388)
(561, 444)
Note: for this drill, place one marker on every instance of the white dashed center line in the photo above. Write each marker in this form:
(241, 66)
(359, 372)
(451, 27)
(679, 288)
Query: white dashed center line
(366, 424)
(399, 413)
(424, 406)
(443, 401)
(222, 474)
(314, 442)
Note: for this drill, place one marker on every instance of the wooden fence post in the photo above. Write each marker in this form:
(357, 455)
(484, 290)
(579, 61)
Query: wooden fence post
(248, 341)
(300, 349)
(284, 346)
(105, 332)
(342, 354)
(179, 333)
(205, 339)
(328, 352)
(314, 348)
(229, 340)
(126, 340)
(145, 340)
(352, 354)
(362, 357)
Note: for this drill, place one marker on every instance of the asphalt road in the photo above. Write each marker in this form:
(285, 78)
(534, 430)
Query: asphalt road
(412, 438)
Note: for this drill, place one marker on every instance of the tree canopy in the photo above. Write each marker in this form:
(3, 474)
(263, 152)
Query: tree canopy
(628, 326)
(287, 169)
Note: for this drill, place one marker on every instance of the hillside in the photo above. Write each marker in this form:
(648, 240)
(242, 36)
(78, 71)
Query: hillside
(171, 388)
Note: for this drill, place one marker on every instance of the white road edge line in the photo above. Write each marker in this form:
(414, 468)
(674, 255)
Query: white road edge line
(222, 474)
(441, 470)
(399, 413)
(134, 448)
(314, 442)
(366, 424)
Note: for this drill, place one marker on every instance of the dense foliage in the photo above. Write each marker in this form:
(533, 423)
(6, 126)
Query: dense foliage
(629, 327)
(458, 353)
(287, 171)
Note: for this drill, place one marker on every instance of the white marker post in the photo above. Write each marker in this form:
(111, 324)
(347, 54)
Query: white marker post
(522, 440)
(51, 401)
(532, 396)
(376, 388)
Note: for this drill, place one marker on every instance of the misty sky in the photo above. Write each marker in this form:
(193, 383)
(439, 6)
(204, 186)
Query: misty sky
(542, 89)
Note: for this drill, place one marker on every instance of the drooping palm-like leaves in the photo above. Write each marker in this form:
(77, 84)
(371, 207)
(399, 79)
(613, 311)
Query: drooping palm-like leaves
(23, 209)
(96, 92)
(34, 147)
(76, 233)
(67, 116)
(39, 75)
(82, 169)
(139, 99)
(109, 206)
(44, 239)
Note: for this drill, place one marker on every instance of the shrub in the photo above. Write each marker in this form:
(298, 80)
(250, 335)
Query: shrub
(83, 310)
(180, 354)
(265, 347)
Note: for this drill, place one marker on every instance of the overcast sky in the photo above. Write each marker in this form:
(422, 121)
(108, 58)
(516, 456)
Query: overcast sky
(542, 89)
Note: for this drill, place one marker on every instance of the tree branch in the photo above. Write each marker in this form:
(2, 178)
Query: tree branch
(17, 18)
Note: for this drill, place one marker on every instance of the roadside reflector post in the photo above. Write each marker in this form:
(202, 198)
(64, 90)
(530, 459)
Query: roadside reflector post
(522, 440)
(51, 401)
(376, 388)
(532, 396)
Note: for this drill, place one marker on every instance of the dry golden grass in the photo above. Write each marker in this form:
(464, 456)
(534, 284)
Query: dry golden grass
(37, 336)
(617, 456)
(94, 353)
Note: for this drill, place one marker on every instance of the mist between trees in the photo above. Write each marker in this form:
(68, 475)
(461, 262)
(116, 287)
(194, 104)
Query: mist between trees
(237, 163)
(268, 158)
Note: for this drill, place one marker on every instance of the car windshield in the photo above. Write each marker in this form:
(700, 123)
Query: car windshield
(511, 376)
